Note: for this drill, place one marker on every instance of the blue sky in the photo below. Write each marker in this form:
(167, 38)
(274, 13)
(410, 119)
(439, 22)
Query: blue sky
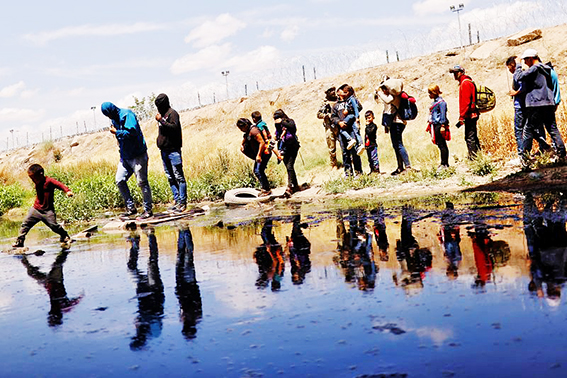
(61, 58)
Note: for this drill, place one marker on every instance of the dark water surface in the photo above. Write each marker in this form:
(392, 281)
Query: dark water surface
(417, 288)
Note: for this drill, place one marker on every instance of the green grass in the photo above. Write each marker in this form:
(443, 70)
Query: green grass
(482, 165)
(11, 196)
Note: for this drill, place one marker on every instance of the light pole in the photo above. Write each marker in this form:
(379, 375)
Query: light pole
(225, 74)
(457, 10)
(93, 108)
(12, 132)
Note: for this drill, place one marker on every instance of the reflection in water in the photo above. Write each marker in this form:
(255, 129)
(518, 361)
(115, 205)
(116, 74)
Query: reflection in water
(299, 250)
(269, 257)
(186, 287)
(488, 253)
(380, 233)
(450, 238)
(149, 292)
(53, 283)
(355, 255)
(414, 261)
(547, 246)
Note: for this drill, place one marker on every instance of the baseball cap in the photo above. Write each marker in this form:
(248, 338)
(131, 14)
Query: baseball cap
(456, 68)
(529, 53)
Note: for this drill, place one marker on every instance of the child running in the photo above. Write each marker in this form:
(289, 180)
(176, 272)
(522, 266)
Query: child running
(263, 127)
(370, 142)
(43, 209)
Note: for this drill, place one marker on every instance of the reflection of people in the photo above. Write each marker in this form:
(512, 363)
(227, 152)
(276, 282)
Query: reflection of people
(355, 254)
(269, 258)
(414, 261)
(380, 233)
(186, 288)
(149, 292)
(450, 238)
(299, 251)
(53, 283)
(488, 253)
(547, 246)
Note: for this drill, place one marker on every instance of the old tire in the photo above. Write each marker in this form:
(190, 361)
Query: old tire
(243, 196)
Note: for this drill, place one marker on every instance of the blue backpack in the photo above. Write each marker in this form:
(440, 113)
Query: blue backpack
(408, 107)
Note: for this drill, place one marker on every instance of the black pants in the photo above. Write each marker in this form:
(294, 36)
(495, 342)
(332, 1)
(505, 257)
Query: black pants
(471, 137)
(441, 144)
(48, 217)
(289, 160)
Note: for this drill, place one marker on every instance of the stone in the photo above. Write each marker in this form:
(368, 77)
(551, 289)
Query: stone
(524, 37)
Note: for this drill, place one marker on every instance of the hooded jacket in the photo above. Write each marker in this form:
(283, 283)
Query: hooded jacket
(128, 132)
(169, 133)
(537, 84)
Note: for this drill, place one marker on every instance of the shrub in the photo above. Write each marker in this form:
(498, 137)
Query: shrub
(482, 165)
(11, 196)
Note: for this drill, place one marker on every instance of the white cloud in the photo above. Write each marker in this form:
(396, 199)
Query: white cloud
(268, 33)
(212, 32)
(290, 33)
(16, 115)
(264, 57)
(12, 90)
(207, 58)
(29, 93)
(427, 7)
(44, 37)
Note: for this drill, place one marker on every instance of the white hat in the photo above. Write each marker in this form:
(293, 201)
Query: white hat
(529, 53)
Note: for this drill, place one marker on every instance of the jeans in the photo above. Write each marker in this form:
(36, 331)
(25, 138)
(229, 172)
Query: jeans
(373, 162)
(173, 167)
(353, 133)
(138, 166)
(402, 157)
(259, 171)
(441, 144)
(289, 161)
(350, 158)
(471, 137)
(520, 119)
(550, 123)
(537, 118)
(48, 217)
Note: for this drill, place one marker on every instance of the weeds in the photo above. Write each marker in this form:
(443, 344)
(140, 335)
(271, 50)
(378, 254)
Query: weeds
(11, 196)
(482, 165)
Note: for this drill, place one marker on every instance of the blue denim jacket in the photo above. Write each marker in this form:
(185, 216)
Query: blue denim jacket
(438, 111)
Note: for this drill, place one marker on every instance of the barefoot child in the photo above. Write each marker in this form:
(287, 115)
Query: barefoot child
(43, 209)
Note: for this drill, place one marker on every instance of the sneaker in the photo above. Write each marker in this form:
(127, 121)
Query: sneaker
(172, 208)
(18, 244)
(129, 213)
(360, 150)
(181, 207)
(146, 215)
(397, 172)
(351, 144)
(65, 239)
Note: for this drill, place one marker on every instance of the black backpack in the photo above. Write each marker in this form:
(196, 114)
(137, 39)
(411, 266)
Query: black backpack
(408, 107)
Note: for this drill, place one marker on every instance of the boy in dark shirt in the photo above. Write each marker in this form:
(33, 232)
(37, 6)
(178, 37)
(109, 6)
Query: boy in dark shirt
(370, 142)
(43, 209)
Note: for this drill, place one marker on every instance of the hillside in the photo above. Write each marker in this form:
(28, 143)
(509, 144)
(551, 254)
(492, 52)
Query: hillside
(211, 130)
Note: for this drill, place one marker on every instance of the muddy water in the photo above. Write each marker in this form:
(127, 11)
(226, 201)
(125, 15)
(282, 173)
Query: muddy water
(434, 287)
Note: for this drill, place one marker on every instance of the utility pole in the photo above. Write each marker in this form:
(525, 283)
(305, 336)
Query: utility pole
(225, 74)
(199, 98)
(458, 10)
(12, 132)
(470, 35)
(303, 68)
(387, 57)
(246, 90)
(314, 74)
(93, 108)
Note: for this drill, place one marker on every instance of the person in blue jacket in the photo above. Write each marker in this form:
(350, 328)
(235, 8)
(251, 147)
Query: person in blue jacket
(133, 157)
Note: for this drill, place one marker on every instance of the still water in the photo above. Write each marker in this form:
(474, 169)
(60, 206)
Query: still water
(437, 287)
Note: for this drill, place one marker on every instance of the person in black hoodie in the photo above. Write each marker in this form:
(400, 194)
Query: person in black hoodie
(169, 142)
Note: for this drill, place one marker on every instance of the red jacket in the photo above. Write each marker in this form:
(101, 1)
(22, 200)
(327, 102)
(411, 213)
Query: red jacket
(45, 191)
(467, 97)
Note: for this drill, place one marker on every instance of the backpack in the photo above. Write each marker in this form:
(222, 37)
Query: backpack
(485, 98)
(408, 107)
